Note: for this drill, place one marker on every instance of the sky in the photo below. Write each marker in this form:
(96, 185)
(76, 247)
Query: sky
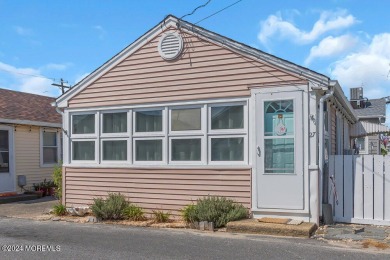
(346, 40)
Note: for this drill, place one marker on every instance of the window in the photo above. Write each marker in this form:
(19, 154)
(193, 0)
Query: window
(361, 145)
(4, 151)
(83, 124)
(195, 134)
(83, 137)
(148, 121)
(148, 150)
(227, 133)
(186, 119)
(115, 122)
(83, 150)
(50, 147)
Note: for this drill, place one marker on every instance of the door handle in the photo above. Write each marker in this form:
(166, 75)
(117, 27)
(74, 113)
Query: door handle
(258, 151)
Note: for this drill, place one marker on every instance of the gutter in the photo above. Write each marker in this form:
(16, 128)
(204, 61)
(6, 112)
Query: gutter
(321, 143)
(59, 111)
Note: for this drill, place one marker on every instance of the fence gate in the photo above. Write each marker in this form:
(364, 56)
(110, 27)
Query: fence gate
(359, 188)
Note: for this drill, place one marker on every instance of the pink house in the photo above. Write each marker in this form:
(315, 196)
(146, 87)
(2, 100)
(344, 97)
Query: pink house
(183, 112)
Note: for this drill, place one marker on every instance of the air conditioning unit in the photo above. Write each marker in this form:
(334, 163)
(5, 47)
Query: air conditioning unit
(356, 93)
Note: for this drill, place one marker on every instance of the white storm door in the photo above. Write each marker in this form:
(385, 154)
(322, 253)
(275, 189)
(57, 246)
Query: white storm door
(7, 177)
(279, 144)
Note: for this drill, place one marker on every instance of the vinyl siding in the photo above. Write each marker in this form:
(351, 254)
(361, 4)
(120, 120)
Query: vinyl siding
(27, 155)
(333, 130)
(204, 70)
(162, 189)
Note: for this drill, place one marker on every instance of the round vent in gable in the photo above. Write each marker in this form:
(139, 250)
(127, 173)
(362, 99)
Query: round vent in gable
(170, 46)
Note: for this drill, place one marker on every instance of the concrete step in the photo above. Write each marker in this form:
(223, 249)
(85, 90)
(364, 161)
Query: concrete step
(252, 226)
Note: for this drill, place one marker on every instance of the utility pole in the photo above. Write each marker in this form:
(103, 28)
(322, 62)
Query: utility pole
(62, 86)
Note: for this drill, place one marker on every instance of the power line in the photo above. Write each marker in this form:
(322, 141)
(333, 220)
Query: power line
(223, 9)
(26, 74)
(193, 11)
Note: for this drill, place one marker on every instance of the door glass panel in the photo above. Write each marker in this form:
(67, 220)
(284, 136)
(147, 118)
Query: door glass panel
(4, 151)
(279, 118)
(279, 137)
(279, 155)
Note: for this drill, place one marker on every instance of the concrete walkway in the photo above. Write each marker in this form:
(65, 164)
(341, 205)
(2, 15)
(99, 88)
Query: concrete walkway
(32, 209)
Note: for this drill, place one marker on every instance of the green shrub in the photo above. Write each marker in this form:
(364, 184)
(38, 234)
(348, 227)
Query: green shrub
(216, 209)
(111, 208)
(57, 179)
(189, 213)
(160, 217)
(59, 209)
(133, 212)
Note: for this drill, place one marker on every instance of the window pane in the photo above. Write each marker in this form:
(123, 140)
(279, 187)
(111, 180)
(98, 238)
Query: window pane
(227, 117)
(148, 150)
(361, 143)
(50, 155)
(148, 121)
(49, 138)
(83, 124)
(83, 150)
(185, 119)
(4, 162)
(4, 140)
(115, 150)
(279, 155)
(115, 122)
(278, 118)
(186, 149)
(227, 149)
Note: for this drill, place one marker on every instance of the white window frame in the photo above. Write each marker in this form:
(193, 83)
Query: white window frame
(96, 160)
(164, 153)
(365, 150)
(166, 135)
(156, 133)
(43, 130)
(128, 124)
(93, 135)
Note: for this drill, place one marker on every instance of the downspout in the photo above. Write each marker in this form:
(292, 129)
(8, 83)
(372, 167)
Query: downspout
(324, 179)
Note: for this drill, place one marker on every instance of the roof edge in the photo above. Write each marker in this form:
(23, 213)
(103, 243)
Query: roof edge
(29, 122)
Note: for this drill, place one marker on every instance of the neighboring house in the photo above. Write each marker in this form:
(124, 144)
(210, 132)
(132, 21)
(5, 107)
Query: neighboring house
(30, 131)
(366, 135)
(184, 112)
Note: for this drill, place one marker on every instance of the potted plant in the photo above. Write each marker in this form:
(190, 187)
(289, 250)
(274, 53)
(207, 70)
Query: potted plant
(37, 190)
(51, 188)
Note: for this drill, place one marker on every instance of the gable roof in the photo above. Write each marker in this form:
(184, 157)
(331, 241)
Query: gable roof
(26, 108)
(172, 21)
(375, 108)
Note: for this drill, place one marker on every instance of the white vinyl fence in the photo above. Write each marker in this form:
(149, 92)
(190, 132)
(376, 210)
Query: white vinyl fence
(359, 188)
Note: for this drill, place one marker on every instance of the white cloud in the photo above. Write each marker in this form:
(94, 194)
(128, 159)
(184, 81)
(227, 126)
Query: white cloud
(27, 80)
(22, 31)
(331, 46)
(102, 33)
(275, 25)
(57, 66)
(368, 67)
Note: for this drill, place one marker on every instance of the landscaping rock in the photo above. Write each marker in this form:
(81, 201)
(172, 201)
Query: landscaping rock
(93, 220)
(203, 225)
(56, 219)
(211, 226)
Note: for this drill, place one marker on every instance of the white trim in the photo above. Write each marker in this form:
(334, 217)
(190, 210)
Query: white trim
(96, 152)
(243, 130)
(42, 164)
(88, 135)
(154, 133)
(120, 134)
(11, 157)
(29, 122)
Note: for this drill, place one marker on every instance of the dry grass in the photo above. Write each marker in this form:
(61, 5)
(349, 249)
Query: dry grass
(374, 243)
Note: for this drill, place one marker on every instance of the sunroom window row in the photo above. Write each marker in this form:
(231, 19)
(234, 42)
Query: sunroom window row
(171, 134)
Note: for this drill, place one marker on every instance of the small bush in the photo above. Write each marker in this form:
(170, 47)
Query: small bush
(111, 208)
(189, 213)
(160, 217)
(59, 209)
(215, 209)
(133, 212)
(57, 180)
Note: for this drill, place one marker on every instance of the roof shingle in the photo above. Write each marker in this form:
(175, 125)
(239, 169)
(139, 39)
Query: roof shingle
(375, 108)
(16, 105)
